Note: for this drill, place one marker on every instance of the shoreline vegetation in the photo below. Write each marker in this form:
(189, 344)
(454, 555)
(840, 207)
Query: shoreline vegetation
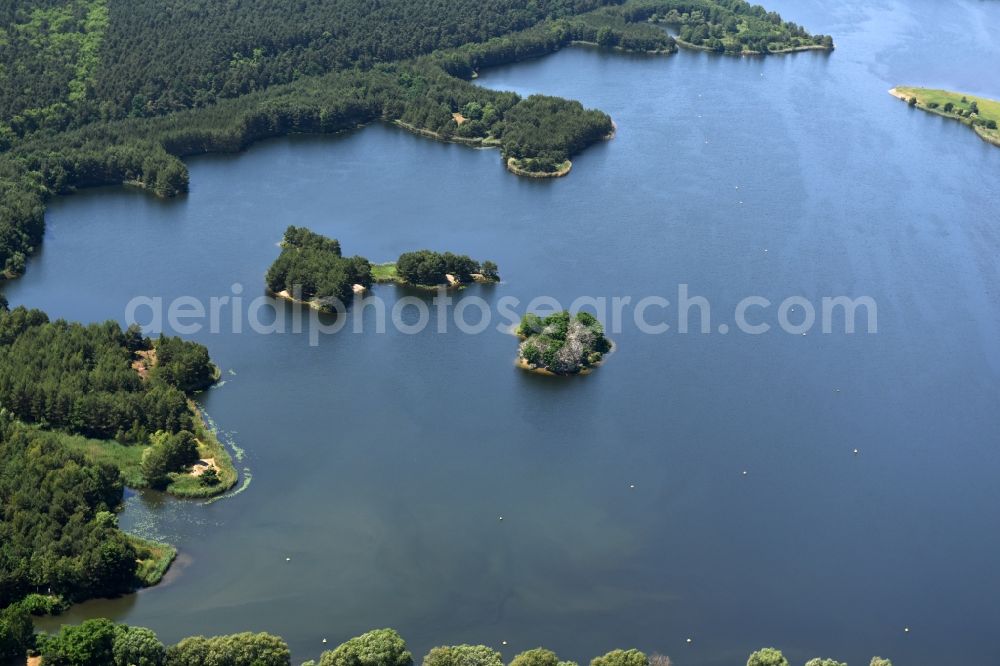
(428, 90)
(756, 32)
(311, 271)
(523, 168)
(154, 559)
(88, 411)
(561, 344)
(979, 113)
(186, 483)
(104, 643)
(750, 52)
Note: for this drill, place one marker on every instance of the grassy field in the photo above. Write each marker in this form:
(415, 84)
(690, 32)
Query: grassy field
(128, 459)
(934, 101)
(385, 272)
(154, 559)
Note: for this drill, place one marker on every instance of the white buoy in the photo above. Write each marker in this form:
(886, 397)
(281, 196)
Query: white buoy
(689, 641)
(288, 559)
(906, 630)
(631, 485)
(856, 452)
(503, 642)
(501, 517)
(324, 640)
(744, 472)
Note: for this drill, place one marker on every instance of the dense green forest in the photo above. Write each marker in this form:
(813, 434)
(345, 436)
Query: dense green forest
(428, 268)
(58, 534)
(561, 344)
(85, 379)
(147, 58)
(310, 267)
(102, 642)
(96, 92)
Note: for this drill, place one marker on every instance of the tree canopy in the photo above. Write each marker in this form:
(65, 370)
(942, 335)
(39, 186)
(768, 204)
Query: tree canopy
(310, 266)
(381, 647)
(767, 657)
(621, 658)
(244, 649)
(101, 642)
(428, 268)
(463, 655)
(82, 379)
(562, 344)
(52, 533)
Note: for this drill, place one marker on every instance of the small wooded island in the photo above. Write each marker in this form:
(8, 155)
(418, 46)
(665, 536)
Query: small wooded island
(561, 344)
(311, 269)
(426, 268)
(981, 114)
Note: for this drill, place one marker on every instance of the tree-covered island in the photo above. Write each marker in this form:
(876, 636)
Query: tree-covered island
(311, 269)
(561, 344)
(426, 268)
(979, 113)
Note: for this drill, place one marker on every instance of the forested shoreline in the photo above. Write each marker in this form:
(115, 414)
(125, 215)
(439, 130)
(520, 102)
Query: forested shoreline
(89, 379)
(51, 153)
(61, 383)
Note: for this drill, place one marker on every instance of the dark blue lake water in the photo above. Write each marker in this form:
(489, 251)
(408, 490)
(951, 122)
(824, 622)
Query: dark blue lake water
(381, 463)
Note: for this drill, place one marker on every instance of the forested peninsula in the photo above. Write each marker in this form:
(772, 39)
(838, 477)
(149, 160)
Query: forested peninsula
(107, 92)
(979, 113)
(116, 397)
(85, 410)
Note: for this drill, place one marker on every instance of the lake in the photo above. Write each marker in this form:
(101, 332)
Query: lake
(697, 486)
